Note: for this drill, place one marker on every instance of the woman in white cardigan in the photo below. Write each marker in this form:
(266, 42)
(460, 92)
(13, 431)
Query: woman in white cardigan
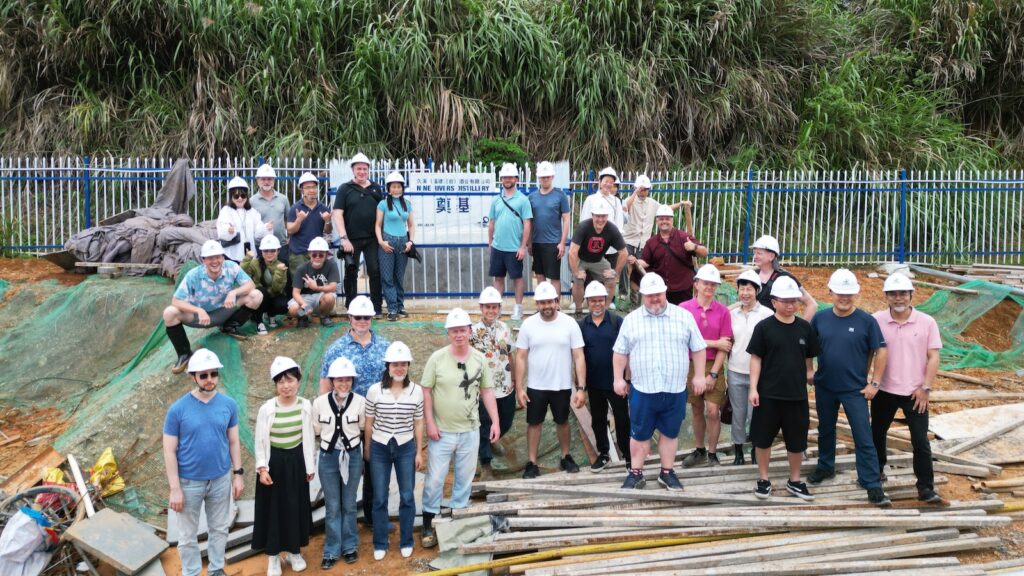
(239, 227)
(284, 466)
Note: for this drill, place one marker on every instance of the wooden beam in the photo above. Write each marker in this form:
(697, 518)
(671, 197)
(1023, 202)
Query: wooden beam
(809, 522)
(979, 440)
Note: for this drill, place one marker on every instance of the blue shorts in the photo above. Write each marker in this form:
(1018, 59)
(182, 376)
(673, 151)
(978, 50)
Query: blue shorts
(661, 411)
(505, 264)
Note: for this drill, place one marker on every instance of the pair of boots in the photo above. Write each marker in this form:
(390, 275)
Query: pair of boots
(179, 339)
(738, 459)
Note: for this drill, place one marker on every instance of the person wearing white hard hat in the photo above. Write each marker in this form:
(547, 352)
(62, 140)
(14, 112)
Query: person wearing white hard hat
(715, 325)
(218, 293)
(271, 278)
(671, 253)
(509, 228)
(641, 210)
(339, 417)
(657, 342)
(493, 338)
(782, 349)
(455, 380)
(550, 229)
(591, 241)
(365, 349)
(549, 346)
(769, 268)
(314, 286)
(394, 441)
(354, 215)
(606, 196)
(272, 206)
(852, 347)
(203, 460)
(744, 314)
(285, 464)
(308, 219)
(394, 230)
(239, 227)
(600, 329)
(913, 344)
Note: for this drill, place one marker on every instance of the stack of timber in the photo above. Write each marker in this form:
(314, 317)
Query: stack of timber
(999, 273)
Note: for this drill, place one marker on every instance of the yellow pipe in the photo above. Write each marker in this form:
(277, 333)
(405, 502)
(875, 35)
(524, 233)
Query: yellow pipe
(1012, 507)
(583, 550)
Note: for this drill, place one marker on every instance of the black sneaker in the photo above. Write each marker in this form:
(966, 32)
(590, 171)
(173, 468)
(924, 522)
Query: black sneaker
(669, 481)
(698, 456)
(232, 330)
(403, 313)
(819, 475)
(303, 322)
(763, 490)
(350, 557)
(799, 489)
(392, 317)
(326, 321)
(568, 464)
(634, 481)
(531, 471)
(328, 563)
(601, 463)
(878, 498)
(181, 364)
(713, 459)
(929, 496)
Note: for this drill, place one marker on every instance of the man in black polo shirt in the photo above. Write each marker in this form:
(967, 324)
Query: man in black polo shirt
(354, 216)
(600, 329)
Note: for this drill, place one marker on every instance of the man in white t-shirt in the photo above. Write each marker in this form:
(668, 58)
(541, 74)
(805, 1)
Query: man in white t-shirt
(549, 344)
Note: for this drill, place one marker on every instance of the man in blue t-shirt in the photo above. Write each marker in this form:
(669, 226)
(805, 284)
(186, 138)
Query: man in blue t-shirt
(203, 459)
(550, 227)
(307, 219)
(851, 340)
(508, 234)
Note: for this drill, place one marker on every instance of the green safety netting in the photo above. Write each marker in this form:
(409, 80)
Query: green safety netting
(3, 288)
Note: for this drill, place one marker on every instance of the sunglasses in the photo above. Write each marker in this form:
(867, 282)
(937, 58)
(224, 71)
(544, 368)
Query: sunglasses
(208, 375)
(361, 318)
(898, 293)
(239, 194)
(318, 254)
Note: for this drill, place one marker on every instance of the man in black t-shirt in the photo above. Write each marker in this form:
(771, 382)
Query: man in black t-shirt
(590, 241)
(313, 286)
(354, 216)
(781, 349)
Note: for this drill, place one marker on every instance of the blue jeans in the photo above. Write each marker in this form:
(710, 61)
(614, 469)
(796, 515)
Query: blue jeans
(217, 496)
(340, 501)
(403, 458)
(856, 408)
(392, 272)
(460, 446)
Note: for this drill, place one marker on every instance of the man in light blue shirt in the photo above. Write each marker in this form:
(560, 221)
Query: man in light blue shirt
(650, 341)
(509, 227)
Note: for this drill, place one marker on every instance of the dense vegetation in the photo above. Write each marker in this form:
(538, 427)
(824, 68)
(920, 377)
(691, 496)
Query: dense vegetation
(777, 83)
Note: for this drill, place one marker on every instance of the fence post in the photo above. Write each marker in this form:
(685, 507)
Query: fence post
(901, 249)
(746, 216)
(87, 177)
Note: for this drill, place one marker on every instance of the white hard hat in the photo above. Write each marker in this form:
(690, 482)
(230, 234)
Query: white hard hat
(361, 306)
(664, 210)
(709, 273)
(308, 177)
(395, 176)
(270, 242)
(608, 171)
(545, 291)
(508, 169)
(652, 283)
(280, 365)
(767, 242)
(601, 209)
(265, 171)
(897, 282)
(490, 295)
(318, 245)
(211, 248)
(750, 276)
(237, 182)
(785, 287)
(545, 169)
(341, 368)
(456, 318)
(203, 359)
(595, 289)
(398, 352)
(359, 158)
(642, 181)
(843, 282)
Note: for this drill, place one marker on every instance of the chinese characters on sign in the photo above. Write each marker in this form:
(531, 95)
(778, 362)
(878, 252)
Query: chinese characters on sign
(451, 208)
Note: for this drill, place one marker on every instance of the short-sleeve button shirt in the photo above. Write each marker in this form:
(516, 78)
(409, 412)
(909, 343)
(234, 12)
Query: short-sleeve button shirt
(198, 289)
(368, 360)
(657, 345)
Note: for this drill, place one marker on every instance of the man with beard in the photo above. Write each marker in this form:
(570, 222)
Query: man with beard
(509, 226)
(670, 253)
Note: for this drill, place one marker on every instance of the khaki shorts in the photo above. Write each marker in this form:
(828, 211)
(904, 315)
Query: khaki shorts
(716, 395)
(594, 270)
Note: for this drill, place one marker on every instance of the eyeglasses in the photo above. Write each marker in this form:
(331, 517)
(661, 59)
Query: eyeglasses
(898, 293)
(787, 301)
(207, 375)
(361, 318)
(239, 195)
(318, 254)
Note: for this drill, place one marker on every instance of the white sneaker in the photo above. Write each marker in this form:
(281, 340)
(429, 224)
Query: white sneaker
(261, 329)
(297, 562)
(379, 554)
(572, 307)
(271, 321)
(517, 312)
(274, 565)
(406, 552)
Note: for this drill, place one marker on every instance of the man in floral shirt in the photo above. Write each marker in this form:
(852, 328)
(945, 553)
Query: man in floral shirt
(494, 338)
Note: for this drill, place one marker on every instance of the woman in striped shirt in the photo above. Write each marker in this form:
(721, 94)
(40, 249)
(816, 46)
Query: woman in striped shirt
(284, 466)
(394, 418)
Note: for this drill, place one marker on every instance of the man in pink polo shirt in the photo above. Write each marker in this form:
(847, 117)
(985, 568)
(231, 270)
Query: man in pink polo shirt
(715, 325)
(912, 338)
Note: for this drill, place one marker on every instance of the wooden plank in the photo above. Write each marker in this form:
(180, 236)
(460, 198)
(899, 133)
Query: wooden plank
(117, 218)
(63, 258)
(118, 540)
(965, 378)
(32, 473)
(809, 522)
(972, 395)
(692, 497)
(947, 565)
(978, 441)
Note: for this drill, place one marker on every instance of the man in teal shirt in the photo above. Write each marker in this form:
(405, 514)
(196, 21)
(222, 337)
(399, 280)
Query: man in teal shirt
(509, 226)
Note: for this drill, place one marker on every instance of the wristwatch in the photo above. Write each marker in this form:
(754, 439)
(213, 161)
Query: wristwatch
(342, 237)
(239, 472)
(714, 375)
(876, 384)
(579, 388)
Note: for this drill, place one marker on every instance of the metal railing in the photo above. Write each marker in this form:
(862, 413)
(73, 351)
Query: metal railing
(819, 218)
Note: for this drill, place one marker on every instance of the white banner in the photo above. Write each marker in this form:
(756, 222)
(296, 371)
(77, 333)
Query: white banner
(451, 208)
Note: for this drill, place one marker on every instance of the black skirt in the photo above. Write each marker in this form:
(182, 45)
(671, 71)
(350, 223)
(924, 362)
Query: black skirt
(284, 517)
